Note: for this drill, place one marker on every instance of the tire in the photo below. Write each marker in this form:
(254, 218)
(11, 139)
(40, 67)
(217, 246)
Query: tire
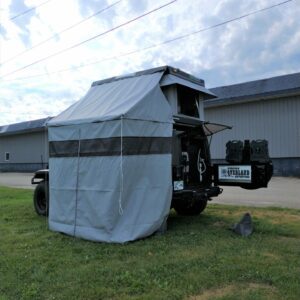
(41, 199)
(189, 208)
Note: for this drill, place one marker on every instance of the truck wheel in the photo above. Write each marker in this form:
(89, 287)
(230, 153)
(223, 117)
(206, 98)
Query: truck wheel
(41, 199)
(184, 208)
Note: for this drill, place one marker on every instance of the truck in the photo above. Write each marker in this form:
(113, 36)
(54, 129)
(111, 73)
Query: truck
(195, 179)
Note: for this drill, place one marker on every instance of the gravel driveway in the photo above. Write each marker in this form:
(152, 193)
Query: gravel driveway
(282, 191)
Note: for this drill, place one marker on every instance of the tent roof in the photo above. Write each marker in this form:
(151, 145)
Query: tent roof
(171, 75)
(164, 69)
(135, 96)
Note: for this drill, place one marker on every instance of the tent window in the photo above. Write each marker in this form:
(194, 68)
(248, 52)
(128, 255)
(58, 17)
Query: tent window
(6, 156)
(188, 100)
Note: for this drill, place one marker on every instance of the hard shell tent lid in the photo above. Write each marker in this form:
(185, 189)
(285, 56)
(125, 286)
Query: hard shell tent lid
(133, 96)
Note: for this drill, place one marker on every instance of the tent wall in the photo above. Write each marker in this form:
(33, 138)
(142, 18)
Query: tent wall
(110, 196)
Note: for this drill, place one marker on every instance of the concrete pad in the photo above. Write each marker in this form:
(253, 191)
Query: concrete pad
(281, 192)
(17, 180)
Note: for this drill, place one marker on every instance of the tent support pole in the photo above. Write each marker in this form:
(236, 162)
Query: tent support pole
(77, 181)
(121, 169)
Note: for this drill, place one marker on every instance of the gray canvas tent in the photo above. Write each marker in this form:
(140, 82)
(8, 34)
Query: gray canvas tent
(110, 159)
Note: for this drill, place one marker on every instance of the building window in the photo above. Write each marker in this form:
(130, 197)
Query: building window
(6, 156)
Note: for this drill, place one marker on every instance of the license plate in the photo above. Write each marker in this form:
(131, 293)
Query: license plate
(234, 173)
(178, 185)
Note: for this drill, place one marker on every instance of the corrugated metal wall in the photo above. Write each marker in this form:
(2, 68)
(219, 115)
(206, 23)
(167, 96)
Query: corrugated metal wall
(24, 149)
(276, 120)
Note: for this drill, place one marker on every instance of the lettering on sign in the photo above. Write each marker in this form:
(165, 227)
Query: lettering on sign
(235, 174)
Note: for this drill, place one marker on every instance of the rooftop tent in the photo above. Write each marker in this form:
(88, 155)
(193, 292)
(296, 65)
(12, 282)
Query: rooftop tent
(110, 157)
(110, 160)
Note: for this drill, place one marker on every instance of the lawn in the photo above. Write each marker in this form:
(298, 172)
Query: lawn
(198, 257)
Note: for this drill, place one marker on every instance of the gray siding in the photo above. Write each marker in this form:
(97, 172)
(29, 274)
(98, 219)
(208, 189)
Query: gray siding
(27, 151)
(276, 120)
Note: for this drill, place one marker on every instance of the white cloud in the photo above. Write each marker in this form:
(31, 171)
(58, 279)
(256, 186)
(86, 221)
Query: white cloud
(247, 49)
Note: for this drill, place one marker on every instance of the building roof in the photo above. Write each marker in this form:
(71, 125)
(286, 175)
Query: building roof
(22, 127)
(280, 86)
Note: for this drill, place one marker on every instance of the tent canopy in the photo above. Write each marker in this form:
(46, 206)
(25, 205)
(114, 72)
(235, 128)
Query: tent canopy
(134, 96)
(131, 98)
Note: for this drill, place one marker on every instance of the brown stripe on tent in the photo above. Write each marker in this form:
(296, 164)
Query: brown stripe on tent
(111, 147)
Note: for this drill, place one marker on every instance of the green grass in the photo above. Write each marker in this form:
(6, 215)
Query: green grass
(198, 258)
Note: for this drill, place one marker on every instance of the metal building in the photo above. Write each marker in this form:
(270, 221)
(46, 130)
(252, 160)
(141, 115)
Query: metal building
(24, 146)
(262, 109)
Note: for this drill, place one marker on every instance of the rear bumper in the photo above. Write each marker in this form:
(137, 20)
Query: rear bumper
(199, 193)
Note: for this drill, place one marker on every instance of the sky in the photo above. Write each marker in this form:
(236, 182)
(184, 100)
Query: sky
(39, 78)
